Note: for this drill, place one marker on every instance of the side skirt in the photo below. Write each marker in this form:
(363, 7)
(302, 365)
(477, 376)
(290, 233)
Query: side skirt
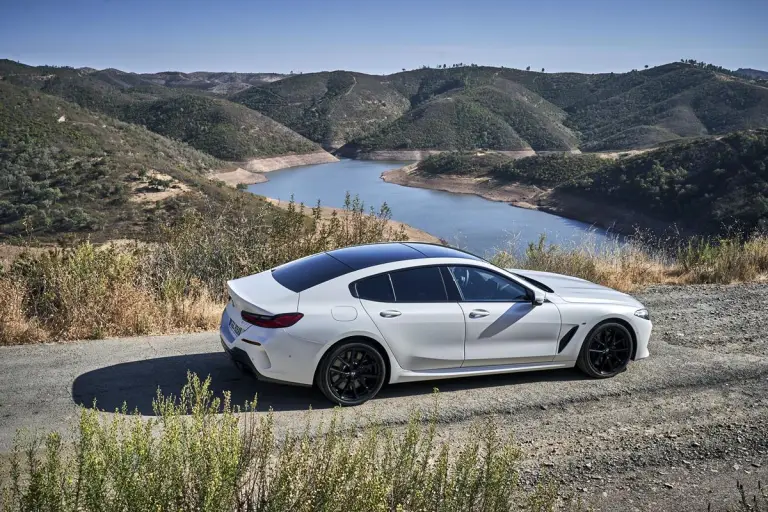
(473, 371)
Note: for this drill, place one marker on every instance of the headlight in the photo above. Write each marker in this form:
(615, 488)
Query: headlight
(643, 313)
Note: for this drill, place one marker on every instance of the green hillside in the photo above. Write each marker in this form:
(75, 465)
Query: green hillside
(546, 111)
(65, 169)
(331, 108)
(707, 185)
(446, 123)
(547, 170)
(221, 128)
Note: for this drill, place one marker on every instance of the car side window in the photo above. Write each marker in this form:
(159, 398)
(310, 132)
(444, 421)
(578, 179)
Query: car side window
(478, 285)
(420, 284)
(376, 288)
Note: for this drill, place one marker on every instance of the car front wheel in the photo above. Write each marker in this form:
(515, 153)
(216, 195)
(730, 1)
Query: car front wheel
(352, 373)
(606, 351)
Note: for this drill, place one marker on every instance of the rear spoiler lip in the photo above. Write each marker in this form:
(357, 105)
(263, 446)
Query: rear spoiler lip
(244, 305)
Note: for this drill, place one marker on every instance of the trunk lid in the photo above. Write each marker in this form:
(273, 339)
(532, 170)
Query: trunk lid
(261, 294)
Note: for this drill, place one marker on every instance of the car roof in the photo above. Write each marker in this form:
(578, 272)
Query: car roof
(359, 257)
(299, 275)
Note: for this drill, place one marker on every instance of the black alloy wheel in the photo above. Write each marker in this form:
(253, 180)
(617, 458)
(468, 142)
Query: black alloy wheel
(351, 373)
(606, 351)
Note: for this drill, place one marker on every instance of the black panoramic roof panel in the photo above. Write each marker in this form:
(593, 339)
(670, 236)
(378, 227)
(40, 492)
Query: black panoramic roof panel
(364, 256)
(298, 275)
(441, 251)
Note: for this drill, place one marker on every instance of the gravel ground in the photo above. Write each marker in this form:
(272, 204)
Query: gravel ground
(674, 432)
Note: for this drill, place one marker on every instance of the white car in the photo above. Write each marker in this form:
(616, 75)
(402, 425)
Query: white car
(353, 319)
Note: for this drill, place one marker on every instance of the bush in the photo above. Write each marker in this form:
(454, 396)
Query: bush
(194, 456)
(87, 291)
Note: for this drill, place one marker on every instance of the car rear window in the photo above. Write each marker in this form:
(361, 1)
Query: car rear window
(420, 284)
(376, 288)
(307, 272)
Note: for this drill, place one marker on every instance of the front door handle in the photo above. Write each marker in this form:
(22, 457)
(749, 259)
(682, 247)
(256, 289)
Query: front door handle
(390, 313)
(478, 313)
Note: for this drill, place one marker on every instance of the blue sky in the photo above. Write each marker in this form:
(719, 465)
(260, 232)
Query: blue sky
(382, 36)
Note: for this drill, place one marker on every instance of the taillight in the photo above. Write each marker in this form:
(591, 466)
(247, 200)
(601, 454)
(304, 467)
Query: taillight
(271, 322)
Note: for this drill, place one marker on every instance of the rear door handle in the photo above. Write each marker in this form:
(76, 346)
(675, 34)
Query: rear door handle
(478, 313)
(390, 313)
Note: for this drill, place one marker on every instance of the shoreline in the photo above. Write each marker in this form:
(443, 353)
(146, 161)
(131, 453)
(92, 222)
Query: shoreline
(414, 154)
(414, 234)
(622, 221)
(252, 171)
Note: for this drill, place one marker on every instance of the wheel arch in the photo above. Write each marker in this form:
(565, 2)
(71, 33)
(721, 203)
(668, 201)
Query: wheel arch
(623, 322)
(376, 344)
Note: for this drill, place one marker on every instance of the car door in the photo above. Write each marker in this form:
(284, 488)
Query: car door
(503, 324)
(411, 310)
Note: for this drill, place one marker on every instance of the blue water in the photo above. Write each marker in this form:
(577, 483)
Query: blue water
(466, 221)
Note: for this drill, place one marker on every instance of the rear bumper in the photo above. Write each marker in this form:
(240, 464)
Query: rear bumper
(239, 355)
(271, 355)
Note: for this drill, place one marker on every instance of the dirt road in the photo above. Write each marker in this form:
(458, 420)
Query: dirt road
(674, 432)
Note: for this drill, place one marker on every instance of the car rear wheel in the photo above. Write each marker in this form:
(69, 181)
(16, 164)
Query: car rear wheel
(352, 373)
(606, 351)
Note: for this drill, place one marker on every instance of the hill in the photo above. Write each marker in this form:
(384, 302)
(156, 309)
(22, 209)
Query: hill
(217, 83)
(331, 108)
(523, 109)
(457, 110)
(753, 73)
(710, 185)
(221, 128)
(704, 185)
(65, 169)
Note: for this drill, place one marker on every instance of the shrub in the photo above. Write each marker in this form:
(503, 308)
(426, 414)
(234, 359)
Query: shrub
(87, 291)
(199, 454)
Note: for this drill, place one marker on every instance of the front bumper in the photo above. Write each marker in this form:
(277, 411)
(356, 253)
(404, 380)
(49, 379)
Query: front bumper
(643, 333)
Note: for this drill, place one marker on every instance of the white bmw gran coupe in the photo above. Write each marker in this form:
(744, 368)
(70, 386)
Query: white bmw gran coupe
(353, 319)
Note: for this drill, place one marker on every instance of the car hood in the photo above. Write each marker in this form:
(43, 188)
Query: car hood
(574, 289)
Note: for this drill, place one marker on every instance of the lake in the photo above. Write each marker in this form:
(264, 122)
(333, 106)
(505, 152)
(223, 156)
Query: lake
(466, 221)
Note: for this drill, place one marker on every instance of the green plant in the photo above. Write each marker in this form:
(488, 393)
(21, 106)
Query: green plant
(202, 453)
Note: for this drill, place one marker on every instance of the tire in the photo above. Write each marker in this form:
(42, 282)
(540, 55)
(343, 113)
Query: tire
(606, 351)
(351, 373)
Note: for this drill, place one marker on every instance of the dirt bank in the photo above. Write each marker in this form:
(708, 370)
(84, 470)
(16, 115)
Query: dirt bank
(414, 234)
(283, 162)
(616, 219)
(523, 196)
(238, 176)
(250, 171)
(415, 154)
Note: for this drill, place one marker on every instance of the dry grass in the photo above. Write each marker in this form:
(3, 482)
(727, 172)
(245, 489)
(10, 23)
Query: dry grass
(179, 285)
(630, 266)
(89, 292)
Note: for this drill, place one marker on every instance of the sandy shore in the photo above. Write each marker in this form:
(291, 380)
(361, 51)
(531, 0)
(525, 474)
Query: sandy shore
(522, 196)
(613, 218)
(417, 154)
(415, 235)
(286, 161)
(250, 172)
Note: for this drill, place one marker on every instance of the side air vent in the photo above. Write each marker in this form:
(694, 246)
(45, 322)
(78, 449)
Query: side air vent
(567, 338)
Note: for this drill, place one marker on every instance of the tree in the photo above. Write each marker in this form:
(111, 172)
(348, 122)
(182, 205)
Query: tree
(528, 68)
(403, 69)
(542, 70)
(646, 66)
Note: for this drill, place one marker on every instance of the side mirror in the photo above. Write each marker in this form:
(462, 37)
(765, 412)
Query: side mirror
(538, 298)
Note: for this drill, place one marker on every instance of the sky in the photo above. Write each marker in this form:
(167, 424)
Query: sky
(382, 36)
